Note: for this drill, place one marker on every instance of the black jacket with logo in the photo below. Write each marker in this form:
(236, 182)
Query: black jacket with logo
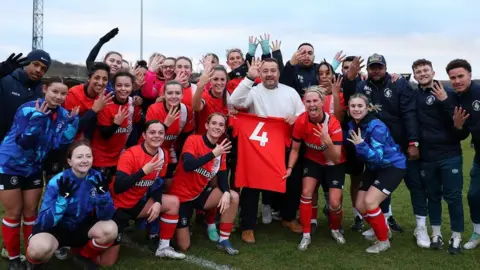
(398, 108)
(438, 138)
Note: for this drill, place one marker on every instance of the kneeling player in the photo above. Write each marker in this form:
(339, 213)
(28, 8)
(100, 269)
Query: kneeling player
(201, 160)
(66, 217)
(324, 161)
(385, 167)
(139, 167)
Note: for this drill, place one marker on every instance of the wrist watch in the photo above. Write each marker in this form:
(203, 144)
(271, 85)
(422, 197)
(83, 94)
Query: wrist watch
(416, 144)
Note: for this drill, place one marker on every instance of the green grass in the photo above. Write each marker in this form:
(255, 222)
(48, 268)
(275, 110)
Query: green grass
(276, 247)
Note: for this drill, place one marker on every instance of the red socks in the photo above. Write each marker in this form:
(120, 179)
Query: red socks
(225, 230)
(210, 215)
(93, 249)
(27, 229)
(335, 218)
(376, 219)
(168, 224)
(305, 213)
(11, 237)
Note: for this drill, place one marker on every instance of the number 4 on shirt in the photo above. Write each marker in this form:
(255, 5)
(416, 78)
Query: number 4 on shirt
(263, 139)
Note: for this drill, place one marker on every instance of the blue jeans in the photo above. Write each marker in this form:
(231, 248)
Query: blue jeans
(444, 178)
(474, 193)
(416, 186)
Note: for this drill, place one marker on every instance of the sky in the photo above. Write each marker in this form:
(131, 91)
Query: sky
(402, 31)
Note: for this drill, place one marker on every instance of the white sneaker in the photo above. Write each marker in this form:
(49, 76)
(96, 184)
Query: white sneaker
(378, 247)
(169, 252)
(338, 237)
(421, 234)
(4, 255)
(304, 243)
(266, 214)
(473, 242)
(370, 235)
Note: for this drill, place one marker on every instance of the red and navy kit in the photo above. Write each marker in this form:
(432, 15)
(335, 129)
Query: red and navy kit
(109, 139)
(328, 103)
(188, 184)
(77, 97)
(184, 124)
(303, 132)
(262, 143)
(211, 104)
(131, 178)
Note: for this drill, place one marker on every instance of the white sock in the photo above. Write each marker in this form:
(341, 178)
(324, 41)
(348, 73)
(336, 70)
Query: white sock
(456, 235)
(386, 217)
(356, 213)
(222, 238)
(390, 213)
(211, 227)
(436, 230)
(306, 235)
(164, 243)
(476, 228)
(313, 221)
(421, 221)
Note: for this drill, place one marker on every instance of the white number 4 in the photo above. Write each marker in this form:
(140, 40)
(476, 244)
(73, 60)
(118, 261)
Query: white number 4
(263, 139)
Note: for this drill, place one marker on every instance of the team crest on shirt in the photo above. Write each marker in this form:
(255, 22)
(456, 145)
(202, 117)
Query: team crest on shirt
(93, 193)
(476, 105)
(367, 90)
(60, 126)
(14, 180)
(387, 93)
(422, 173)
(184, 221)
(430, 100)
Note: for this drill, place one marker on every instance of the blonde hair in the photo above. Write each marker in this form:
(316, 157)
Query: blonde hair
(316, 89)
(234, 50)
(371, 107)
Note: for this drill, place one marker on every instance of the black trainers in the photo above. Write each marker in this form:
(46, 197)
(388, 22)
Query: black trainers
(41, 266)
(455, 246)
(16, 264)
(436, 242)
(394, 226)
(84, 263)
(357, 225)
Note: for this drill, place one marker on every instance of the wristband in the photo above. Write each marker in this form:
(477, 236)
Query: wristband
(416, 144)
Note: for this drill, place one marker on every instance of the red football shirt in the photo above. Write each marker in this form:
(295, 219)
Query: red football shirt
(261, 151)
(107, 152)
(130, 162)
(187, 186)
(303, 131)
(212, 104)
(328, 104)
(233, 83)
(77, 96)
(184, 124)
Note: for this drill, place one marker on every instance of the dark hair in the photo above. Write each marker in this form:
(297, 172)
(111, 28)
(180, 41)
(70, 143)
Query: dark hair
(110, 53)
(270, 60)
(151, 122)
(215, 114)
(329, 66)
(122, 74)
(141, 63)
(305, 43)
(52, 80)
(172, 82)
(224, 94)
(76, 144)
(214, 56)
(184, 58)
(459, 63)
(421, 62)
(170, 58)
(349, 58)
(98, 66)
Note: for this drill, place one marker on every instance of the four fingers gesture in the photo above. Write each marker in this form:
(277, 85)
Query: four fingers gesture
(222, 148)
(254, 68)
(122, 114)
(173, 115)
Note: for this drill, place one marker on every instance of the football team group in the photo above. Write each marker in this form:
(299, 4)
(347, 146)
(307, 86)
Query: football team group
(146, 143)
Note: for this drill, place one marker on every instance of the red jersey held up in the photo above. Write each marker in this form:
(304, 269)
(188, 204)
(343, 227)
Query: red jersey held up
(107, 152)
(261, 151)
(130, 162)
(184, 124)
(303, 131)
(187, 186)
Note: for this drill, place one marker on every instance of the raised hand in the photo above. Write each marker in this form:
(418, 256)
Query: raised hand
(206, 76)
(12, 63)
(276, 45)
(182, 78)
(339, 57)
(355, 67)
(298, 56)
(74, 112)
(102, 101)
(155, 64)
(121, 115)
(439, 92)
(172, 116)
(106, 38)
(322, 132)
(355, 138)
(254, 68)
(459, 117)
(66, 187)
(264, 43)
(43, 108)
(155, 164)
(222, 148)
(101, 184)
(137, 101)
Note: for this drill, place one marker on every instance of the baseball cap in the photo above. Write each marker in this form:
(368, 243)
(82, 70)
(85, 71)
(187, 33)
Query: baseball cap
(376, 59)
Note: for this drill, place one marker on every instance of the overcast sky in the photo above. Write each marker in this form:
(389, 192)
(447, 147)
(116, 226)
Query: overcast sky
(403, 31)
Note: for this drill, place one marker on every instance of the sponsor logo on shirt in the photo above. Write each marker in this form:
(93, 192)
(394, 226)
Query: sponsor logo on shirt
(205, 173)
(170, 137)
(144, 183)
(15, 94)
(367, 90)
(127, 129)
(14, 180)
(316, 147)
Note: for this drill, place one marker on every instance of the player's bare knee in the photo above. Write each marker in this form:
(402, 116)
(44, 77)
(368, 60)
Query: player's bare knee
(108, 232)
(335, 205)
(370, 203)
(234, 198)
(40, 250)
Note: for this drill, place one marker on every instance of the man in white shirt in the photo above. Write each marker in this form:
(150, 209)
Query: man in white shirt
(268, 99)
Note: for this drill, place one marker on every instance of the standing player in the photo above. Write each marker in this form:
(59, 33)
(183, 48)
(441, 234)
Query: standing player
(385, 167)
(140, 167)
(202, 159)
(323, 161)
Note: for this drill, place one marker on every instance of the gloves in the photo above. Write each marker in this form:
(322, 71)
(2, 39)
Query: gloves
(12, 63)
(101, 185)
(252, 48)
(265, 46)
(66, 187)
(109, 35)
